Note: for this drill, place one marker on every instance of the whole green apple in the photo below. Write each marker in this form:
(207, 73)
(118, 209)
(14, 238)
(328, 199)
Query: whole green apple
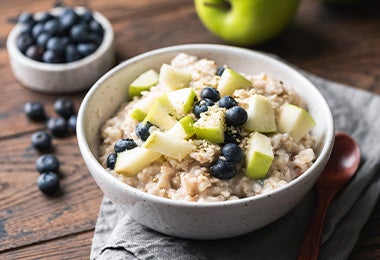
(246, 22)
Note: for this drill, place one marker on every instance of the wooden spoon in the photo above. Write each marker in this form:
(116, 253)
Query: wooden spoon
(341, 167)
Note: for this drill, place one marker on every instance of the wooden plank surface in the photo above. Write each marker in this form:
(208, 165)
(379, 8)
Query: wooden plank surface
(341, 45)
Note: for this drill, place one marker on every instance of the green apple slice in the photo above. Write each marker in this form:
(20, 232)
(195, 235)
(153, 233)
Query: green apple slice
(168, 145)
(161, 114)
(172, 78)
(211, 126)
(230, 81)
(183, 129)
(141, 108)
(295, 121)
(143, 82)
(131, 162)
(259, 156)
(182, 100)
(261, 115)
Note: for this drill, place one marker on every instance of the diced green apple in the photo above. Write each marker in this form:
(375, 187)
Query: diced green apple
(211, 126)
(259, 156)
(230, 81)
(261, 115)
(161, 114)
(183, 129)
(143, 82)
(141, 108)
(182, 100)
(131, 162)
(168, 145)
(173, 78)
(295, 121)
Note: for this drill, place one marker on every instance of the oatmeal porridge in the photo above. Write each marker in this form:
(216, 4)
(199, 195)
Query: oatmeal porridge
(200, 131)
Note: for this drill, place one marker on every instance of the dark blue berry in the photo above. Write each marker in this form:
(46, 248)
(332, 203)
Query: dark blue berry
(47, 163)
(26, 28)
(24, 41)
(37, 30)
(95, 27)
(58, 126)
(50, 56)
(124, 144)
(48, 183)
(86, 16)
(231, 137)
(210, 93)
(25, 18)
(202, 106)
(41, 141)
(111, 160)
(68, 18)
(79, 33)
(220, 70)
(143, 130)
(236, 116)
(72, 53)
(35, 52)
(223, 169)
(232, 152)
(55, 44)
(86, 49)
(52, 27)
(42, 39)
(35, 111)
(44, 17)
(72, 123)
(227, 102)
(64, 107)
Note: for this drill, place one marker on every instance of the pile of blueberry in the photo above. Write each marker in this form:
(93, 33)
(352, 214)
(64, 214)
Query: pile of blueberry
(63, 38)
(60, 126)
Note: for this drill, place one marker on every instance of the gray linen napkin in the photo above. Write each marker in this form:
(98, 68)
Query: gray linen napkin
(355, 112)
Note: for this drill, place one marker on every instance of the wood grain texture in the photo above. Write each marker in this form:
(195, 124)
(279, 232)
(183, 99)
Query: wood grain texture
(338, 44)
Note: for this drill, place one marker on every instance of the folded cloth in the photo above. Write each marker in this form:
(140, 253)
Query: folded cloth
(117, 236)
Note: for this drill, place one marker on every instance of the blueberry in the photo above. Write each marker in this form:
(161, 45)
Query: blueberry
(72, 123)
(232, 152)
(227, 102)
(47, 163)
(42, 39)
(86, 49)
(23, 42)
(111, 160)
(220, 70)
(44, 17)
(35, 111)
(95, 27)
(64, 107)
(124, 144)
(58, 126)
(41, 141)
(142, 130)
(79, 33)
(86, 16)
(232, 137)
(55, 44)
(52, 27)
(25, 18)
(68, 18)
(236, 116)
(48, 183)
(35, 52)
(26, 28)
(50, 56)
(202, 106)
(72, 53)
(223, 169)
(210, 93)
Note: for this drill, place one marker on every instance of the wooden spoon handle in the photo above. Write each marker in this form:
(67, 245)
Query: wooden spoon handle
(311, 243)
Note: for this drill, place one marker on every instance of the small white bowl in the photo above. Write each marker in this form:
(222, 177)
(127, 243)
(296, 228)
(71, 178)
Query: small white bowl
(211, 220)
(65, 77)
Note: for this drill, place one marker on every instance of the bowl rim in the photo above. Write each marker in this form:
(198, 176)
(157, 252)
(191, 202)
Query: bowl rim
(107, 41)
(85, 149)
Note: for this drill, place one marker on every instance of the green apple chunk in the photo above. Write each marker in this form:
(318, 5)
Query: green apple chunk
(261, 115)
(161, 113)
(131, 162)
(230, 81)
(172, 78)
(141, 108)
(182, 100)
(295, 121)
(143, 82)
(183, 129)
(211, 126)
(168, 145)
(259, 156)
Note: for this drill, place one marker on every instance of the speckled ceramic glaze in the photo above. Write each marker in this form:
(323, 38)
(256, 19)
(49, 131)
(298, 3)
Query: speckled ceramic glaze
(194, 220)
(63, 78)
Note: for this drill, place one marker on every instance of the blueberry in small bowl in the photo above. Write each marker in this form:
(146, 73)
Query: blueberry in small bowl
(63, 50)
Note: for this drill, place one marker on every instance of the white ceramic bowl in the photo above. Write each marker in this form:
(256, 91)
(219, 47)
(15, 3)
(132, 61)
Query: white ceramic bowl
(211, 220)
(63, 78)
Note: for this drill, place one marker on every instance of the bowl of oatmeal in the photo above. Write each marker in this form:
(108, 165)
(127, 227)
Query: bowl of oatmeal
(204, 141)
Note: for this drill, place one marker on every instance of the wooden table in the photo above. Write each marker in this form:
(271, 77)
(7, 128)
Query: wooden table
(341, 45)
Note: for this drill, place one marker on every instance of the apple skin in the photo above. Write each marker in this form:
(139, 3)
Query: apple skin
(246, 22)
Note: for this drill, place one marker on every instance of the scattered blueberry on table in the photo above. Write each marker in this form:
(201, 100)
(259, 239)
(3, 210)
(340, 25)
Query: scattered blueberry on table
(41, 140)
(47, 162)
(35, 111)
(48, 182)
